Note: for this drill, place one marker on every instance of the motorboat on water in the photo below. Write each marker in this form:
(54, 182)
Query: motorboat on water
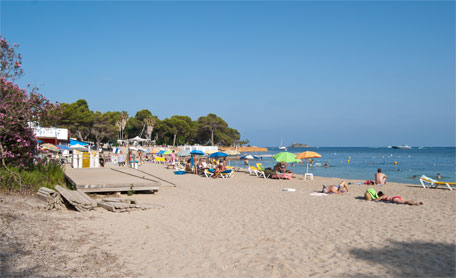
(402, 147)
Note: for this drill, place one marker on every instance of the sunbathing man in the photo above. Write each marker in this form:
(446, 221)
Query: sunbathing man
(380, 178)
(337, 189)
(396, 200)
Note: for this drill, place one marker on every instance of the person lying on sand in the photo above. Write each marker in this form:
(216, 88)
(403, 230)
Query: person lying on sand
(395, 199)
(337, 189)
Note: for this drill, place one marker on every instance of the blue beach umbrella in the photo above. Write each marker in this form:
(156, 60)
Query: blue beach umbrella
(160, 152)
(197, 152)
(218, 154)
(63, 147)
(248, 156)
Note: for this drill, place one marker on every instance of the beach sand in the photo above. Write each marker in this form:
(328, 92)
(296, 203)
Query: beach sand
(240, 227)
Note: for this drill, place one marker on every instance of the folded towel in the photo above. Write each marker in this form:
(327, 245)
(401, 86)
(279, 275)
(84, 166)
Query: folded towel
(318, 194)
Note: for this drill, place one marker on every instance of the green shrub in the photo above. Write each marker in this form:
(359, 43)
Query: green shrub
(42, 175)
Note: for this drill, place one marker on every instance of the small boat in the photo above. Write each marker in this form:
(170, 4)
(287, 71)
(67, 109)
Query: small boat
(402, 147)
(281, 145)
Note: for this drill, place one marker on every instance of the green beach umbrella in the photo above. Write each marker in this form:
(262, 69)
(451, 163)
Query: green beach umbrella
(167, 152)
(297, 161)
(285, 157)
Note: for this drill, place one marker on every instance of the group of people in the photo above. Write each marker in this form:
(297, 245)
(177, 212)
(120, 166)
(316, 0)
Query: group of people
(371, 195)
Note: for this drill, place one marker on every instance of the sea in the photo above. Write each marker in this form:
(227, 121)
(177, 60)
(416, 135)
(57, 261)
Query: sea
(361, 163)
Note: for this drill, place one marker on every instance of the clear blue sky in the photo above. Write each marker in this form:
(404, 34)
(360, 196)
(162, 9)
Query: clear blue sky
(332, 73)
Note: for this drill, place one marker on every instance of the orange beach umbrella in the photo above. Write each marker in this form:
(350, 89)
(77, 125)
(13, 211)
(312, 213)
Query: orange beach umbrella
(308, 154)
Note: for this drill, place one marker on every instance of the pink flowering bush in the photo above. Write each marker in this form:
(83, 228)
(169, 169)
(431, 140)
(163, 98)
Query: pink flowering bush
(10, 61)
(18, 109)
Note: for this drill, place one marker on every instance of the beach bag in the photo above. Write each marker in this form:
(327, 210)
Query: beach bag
(372, 192)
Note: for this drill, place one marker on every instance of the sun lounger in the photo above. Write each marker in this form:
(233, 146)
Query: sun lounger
(208, 173)
(427, 182)
(253, 171)
(227, 174)
(260, 170)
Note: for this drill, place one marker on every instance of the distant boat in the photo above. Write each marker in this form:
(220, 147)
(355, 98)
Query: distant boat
(403, 147)
(281, 145)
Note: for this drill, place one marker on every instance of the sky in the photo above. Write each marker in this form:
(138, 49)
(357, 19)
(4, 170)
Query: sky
(329, 73)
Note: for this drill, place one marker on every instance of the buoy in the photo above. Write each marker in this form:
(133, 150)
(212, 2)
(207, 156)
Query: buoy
(395, 162)
(383, 156)
(348, 161)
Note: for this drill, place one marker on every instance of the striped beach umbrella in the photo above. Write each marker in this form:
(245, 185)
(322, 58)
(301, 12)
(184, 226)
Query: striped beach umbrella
(50, 147)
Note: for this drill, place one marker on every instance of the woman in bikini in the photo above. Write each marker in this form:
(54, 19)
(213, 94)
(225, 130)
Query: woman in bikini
(337, 189)
(396, 200)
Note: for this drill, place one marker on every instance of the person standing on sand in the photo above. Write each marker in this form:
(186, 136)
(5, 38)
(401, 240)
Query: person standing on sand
(121, 159)
(380, 178)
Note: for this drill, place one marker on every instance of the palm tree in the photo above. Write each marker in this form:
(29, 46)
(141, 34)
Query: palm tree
(150, 124)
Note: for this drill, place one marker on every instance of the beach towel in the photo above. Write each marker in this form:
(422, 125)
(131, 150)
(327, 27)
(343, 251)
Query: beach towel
(373, 193)
(318, 194)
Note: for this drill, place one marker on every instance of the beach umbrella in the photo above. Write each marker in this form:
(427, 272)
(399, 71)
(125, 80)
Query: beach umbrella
(154, 151)
(161, 152)
(183, 153)
(50, 147)
(285, 157)
(249, 156)
(78, 147)
(306, 155)
(167, 152)
(297, 161)
(63, 147)
(75, 142)
(197, 152)
(218, 154)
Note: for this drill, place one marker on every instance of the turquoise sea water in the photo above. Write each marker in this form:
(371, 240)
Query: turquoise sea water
(364, 162)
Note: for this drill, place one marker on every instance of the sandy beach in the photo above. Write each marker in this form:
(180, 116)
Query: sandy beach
(240, 227)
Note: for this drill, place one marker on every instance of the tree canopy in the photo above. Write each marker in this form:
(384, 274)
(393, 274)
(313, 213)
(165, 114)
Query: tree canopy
(176, 130)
